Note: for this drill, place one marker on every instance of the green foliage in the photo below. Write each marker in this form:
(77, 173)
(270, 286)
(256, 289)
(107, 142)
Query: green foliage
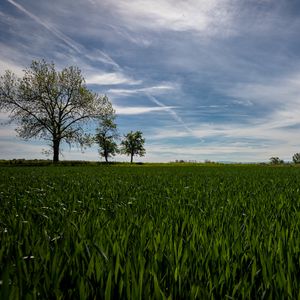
(52, 105)
(133, 144)
(106, 136)
(276, 161)
(296, 158)
(149, 232)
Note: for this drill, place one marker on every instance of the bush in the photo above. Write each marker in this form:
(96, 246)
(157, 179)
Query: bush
(276, 161)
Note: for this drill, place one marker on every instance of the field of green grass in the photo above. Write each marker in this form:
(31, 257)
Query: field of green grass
(149, 232)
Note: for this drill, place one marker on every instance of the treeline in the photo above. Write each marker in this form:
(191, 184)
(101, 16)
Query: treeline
(277, 161)
(18, 162)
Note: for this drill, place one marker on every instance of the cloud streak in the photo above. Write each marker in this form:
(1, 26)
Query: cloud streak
(100, 55)
(138, 110)
(111, 79)
(171, 111)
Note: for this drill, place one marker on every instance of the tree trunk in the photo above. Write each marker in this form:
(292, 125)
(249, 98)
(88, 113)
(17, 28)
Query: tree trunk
(131, 158)
(106, 155)
(56, 150)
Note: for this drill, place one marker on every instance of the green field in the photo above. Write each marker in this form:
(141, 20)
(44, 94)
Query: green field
(149, 231)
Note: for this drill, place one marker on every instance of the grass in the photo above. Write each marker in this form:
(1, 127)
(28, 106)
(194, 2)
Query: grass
(149, 232)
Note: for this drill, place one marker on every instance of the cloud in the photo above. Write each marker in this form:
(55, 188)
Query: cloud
(171, 111)
(159, 89)
(11, 149)
(111, 79)
(277, 135)
(269, 131)
(138, 110)
(223, 149)
(7, 132)
(6, 64)
(149, 92)
(193, 15)
(98, 56)
(277, 91)
(138, 39)
(53, 30)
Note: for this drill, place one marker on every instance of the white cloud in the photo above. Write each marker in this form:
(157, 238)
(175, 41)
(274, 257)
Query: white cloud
(193, 15)
(282, 90)
(11, 59)
(14, 148)
(271, 130)
(7, 132)
(150, 92)
(9, 65)
(111, 79)
(220, 151)
(153, 90)
(137, 110)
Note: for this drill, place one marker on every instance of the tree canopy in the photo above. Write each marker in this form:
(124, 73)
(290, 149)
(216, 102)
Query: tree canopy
(133, 144)
(52, 105)
(296, 158)
(276, 161)
(106, 137)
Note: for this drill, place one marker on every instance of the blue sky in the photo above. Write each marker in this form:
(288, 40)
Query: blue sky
(204, 80)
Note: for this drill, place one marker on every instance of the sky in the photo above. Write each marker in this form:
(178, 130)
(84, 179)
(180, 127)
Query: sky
(202, 79)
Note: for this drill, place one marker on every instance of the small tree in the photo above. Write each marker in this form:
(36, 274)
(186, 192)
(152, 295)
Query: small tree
(55, 106)
(106, 137)
(296, 158)
(276, 161)
(133, 144)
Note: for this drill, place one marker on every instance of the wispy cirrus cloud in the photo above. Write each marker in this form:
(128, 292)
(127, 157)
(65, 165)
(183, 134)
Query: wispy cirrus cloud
(282, 90)
(179, 16)
(159, 89)
(98, 56)
(111, 79)
(171, 111)
(6, 64)
(150, 93)
(138, 110)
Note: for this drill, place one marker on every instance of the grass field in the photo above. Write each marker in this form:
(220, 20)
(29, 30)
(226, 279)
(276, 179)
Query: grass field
(142, 232)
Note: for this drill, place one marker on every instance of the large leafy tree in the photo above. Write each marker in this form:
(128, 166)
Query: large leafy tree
(106, 137)
(133, 144)
(52, 105)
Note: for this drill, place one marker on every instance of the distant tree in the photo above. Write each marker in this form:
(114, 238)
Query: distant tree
(106, 136)
(133, 144)
(276, 161)
(52, 105)
(296, 158)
